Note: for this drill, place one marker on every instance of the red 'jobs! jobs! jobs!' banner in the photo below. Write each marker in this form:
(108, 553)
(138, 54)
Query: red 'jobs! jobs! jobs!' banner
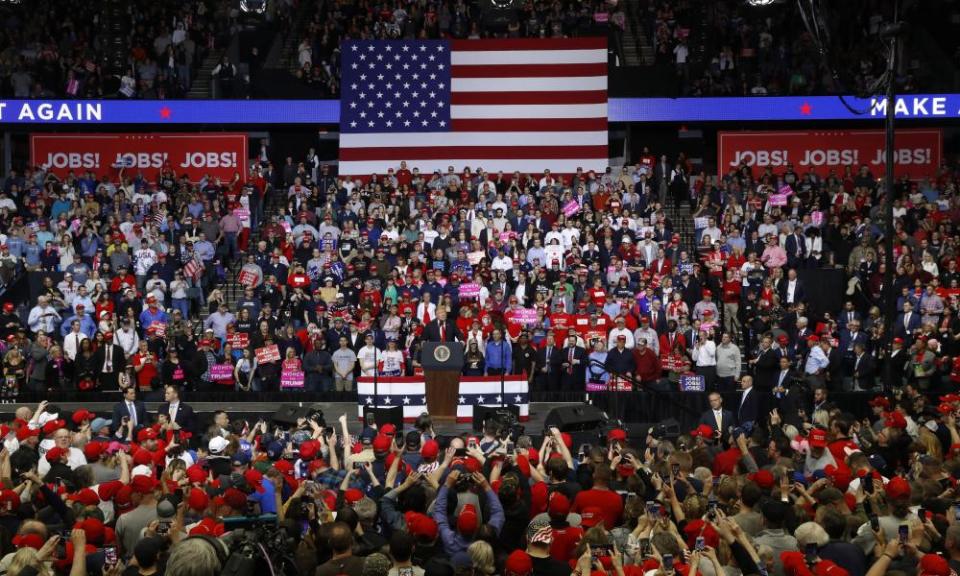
(218, 155)
(917, 152)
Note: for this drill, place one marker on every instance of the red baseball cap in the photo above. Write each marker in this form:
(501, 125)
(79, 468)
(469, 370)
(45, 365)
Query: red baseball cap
(894, 420)
(430, 449)
(617, 435)
(897, 488)
(9, 496)
(309, 449)
(467, 521)
(143, 484)
(422, 526)
(381, 443)
(81, 415)
(818, 438)
(559, 505)
(934, 565)
(591, 516)
(518, 563)
(93, 450)
(55, 453)
(353, 495)
(763, 479)
(703, 431)
(198, 499)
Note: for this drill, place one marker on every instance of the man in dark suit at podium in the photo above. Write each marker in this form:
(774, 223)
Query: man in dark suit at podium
(441, 329)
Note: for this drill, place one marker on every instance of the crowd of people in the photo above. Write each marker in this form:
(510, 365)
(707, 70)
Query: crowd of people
(579, 280)
(732, 48)
(157, 494)
(147, 49)
(318, 53)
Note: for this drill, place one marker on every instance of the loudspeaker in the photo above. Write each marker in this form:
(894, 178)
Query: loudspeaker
(392, 415)
(578, 418)
(482, 413)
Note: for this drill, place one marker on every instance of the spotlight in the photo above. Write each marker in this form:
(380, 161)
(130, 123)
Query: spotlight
(254, 6)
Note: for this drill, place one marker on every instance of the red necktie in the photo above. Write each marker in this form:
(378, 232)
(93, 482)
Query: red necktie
(443, 333)
(570, 361)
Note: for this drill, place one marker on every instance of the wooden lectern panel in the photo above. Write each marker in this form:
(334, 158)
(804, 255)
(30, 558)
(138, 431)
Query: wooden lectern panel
(443, 386)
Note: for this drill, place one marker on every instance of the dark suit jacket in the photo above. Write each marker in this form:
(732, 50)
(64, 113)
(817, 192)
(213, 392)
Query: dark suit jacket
(727, 417)
(431, 332)
(794, 247)
(576, 379)
(788, 407)
(901, 332)
(119, 362)
(661, 324)
(120, 410)
(787, 379)
(865, 372)
(185, 416)
(748, 409)
(554, 361)
(767, 368)
(847, 341)
(799, 293)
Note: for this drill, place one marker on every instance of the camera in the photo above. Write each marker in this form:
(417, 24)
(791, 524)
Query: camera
(464, 481)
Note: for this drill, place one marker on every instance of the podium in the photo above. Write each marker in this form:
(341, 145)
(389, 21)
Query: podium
(442, 364)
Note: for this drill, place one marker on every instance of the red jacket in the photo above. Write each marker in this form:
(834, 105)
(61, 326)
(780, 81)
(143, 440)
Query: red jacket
(648, 365)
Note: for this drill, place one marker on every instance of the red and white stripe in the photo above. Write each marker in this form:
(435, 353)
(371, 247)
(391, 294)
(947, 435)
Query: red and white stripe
(526, 105)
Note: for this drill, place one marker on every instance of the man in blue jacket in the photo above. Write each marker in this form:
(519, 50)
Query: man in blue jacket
(456, 540)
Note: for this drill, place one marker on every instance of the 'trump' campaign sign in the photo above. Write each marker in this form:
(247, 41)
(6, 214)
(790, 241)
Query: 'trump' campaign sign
(917, 151)
(218, 154)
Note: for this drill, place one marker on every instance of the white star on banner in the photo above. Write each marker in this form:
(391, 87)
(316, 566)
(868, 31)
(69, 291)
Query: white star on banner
(406, 399)
(462, 400)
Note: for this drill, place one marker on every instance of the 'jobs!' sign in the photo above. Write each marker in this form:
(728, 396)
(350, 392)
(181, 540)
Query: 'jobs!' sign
(217, 155)
(916, 154)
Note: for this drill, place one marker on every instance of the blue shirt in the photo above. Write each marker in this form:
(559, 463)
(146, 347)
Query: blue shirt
(89, 245)
(148, 317)
(31, 254)
(87, 326)
(16, 244)
(204, 249)
(266, 499)
(454, 544)
(498, 355)
(816, 360)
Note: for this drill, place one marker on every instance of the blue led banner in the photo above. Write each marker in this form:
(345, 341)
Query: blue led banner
(253, 112)
(159, 112)
(774, 108)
